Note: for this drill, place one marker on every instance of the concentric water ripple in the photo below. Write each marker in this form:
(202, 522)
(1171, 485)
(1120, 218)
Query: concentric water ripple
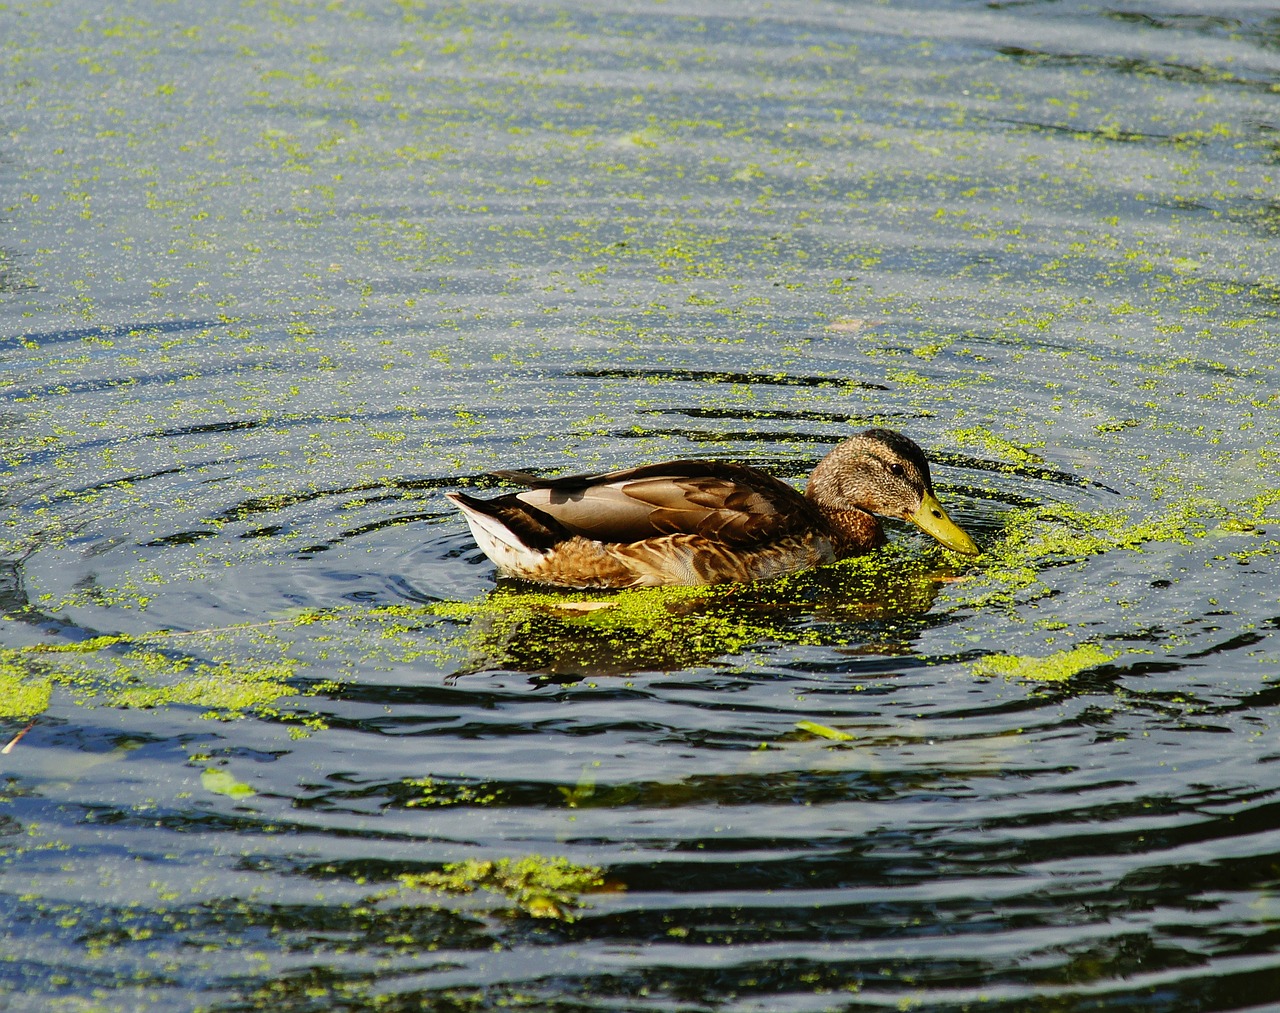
(277, 278)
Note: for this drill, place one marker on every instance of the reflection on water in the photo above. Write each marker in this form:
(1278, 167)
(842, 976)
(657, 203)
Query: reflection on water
(277, 277)
(566, 636)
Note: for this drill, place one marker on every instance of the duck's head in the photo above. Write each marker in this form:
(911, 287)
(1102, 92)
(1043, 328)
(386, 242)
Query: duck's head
(885, 473)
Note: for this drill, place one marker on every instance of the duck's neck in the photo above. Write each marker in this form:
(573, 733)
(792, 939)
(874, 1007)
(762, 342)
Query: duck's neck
(855, 530)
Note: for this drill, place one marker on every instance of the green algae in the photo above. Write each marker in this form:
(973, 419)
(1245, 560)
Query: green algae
(1036, 539)
(1056, 667)
(583, 634)
(223, 782)
(224, 691)
(534, 885)
(23, 693)
(599, 633)
(823, 731)
(435, 792)
(128, 672)
(1005, 450)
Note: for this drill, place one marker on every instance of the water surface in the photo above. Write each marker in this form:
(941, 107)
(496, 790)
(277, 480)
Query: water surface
(276, 277)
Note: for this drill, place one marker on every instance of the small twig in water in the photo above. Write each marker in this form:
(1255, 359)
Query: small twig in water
(14, 741)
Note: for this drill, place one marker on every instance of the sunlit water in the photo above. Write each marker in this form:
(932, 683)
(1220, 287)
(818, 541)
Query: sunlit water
(276, 277)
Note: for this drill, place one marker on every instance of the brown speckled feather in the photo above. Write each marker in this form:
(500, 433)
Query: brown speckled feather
(666, 560)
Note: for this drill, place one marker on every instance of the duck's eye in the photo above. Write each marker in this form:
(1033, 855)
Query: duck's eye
(897, 469)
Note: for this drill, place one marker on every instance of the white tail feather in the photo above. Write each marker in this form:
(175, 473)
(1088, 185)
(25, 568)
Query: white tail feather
(496, 540)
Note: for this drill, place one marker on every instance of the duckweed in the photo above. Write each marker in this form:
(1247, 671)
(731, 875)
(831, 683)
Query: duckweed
(22, 693)
(650, 628)
(1038, 537)
(666, 628)
(998, 446)
(823, 731)
(222, 782)
(533, 885)
(117, 671)
(1056, 667)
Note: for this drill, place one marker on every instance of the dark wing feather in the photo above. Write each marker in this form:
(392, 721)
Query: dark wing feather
(729, 503)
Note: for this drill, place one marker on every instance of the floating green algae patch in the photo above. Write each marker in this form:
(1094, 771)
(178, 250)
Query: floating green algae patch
(1056, 667)
(22, 693)
(223, 782)
(668, 628)
(1055, 534)
(823, 731)
(118, 671)
(226, 690)
(532, 885)
(443, 793)
(1005, 450)
(587, 633)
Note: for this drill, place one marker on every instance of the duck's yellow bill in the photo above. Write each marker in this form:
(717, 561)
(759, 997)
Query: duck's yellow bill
(933, 520)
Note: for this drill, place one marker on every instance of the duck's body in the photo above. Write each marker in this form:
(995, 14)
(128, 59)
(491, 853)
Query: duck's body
(707, 522)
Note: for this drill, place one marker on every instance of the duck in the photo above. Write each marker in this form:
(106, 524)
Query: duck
(695, 522)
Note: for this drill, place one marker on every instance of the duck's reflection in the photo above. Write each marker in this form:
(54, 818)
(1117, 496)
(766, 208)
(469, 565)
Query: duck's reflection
(562, 637)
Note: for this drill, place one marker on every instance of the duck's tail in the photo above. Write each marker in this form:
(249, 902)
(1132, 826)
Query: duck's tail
(513, 534)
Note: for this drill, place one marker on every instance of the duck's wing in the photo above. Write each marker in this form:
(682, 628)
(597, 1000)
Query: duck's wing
(727, 502)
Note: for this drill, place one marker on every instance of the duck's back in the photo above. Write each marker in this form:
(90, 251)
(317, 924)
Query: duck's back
(729, 503)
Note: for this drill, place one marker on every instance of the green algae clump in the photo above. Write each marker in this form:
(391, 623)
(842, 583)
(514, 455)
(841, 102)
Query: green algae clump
(123, 671)
(223, 782)
(22, 695)
(1037, 538)
(226, 691)
(533, 885)
(599, 633)
(1056, 667)
(823, 731)
(1005, 450)
(602, 633)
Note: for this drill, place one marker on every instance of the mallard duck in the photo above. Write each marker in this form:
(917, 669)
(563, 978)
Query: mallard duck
(707, 522)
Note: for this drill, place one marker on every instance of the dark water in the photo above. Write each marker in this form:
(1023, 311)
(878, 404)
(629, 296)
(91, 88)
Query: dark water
(275, 277)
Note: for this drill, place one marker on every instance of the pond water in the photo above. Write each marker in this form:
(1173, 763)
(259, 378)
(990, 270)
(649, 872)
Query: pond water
(276, 276)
